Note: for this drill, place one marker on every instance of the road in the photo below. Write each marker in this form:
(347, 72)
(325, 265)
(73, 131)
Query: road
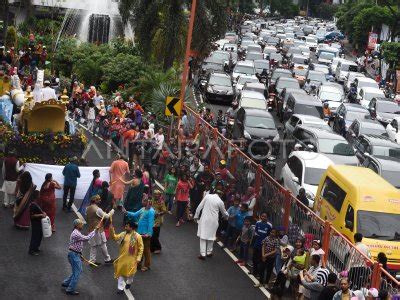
(175, 274)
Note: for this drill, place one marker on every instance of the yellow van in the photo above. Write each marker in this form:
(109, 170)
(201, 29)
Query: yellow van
(356, 199)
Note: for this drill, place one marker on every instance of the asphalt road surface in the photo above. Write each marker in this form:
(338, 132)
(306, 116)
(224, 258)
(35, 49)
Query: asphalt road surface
(175, 274)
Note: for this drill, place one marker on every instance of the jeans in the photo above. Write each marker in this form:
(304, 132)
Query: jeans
(181, 209)
(169, 201)
(76, 265)
(71, 191)
(244, 252)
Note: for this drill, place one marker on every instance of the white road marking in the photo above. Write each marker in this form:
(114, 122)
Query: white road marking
(128, 293)
(246, 271)
(78, 213)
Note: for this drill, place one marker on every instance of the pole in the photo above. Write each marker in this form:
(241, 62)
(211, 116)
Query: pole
(188, 46)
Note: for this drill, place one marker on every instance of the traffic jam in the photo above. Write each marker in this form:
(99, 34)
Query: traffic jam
(291, 96)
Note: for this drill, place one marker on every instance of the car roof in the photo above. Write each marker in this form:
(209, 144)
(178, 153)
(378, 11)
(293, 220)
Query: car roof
(312, 159)
(280, 70)
(379, 140)
(374, 90)
(287, 79)
(316, 72)
(305, 99)
(354, 107)
(365, 79)
(217, 74)
(322, 133)
(296, 91)
(387, 163)
(252, 94)
(309, 119)
(258, 112)
(349, 62)
(245, 63)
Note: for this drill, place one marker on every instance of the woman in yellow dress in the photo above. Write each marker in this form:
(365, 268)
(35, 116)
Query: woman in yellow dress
(130, 254)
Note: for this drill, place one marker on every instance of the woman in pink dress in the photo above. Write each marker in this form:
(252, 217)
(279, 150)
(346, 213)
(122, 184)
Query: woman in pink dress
(117, 171)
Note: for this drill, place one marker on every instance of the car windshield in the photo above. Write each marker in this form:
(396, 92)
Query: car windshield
(322, 69)
(300, 72)
(351, 115)
(261, 65)
(299, 60)
(320, 77)
(311, 40)
(378, 225)
(330, 96)
(312, 176)
(369, 96)
(348, 68)
(276, 75)
(253, 103)
(249, 70)
(275, 56)
(259, 122)
(337, 147)
(219, 56)
(386, 151)
(387, 107)
(393, 177)
(220, 80)
(362, 84)
(243, 80)
(287, 84)
(373, 129)
(310, 110)
(254, 56)
(326, 55)
(272, 40)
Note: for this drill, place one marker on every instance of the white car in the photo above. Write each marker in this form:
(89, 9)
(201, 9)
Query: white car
(242, 80)
(312, 42)
(325, 58)
(305, 50)
(252, 99)
(304, 169)
(244, 68)
(309, 121)
(367, 93)
(351, 76)
(363, 82)
(343, 68)
(261, 64)
(254, 56)
(392, 130)
(332, 94)
(334, 64)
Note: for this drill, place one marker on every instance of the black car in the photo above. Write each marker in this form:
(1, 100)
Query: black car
(330, 144)
(387, 167)
(377, 145)
(219, 87)
(384, 110)
(345, 114)
(259, 131)
(364, 126)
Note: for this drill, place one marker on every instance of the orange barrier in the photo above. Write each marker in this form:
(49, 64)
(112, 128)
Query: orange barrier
(285, 210)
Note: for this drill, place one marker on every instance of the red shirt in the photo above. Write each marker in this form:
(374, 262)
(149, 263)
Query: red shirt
(182, 191)
(163, 157)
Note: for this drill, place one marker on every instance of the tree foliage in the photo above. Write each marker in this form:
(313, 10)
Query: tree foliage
(391, 53)
(285, 8)
(11, 37)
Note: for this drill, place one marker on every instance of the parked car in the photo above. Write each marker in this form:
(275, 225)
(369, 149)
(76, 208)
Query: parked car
(387, 167)
(343, 68)
(331, 93)
(259, 131)
(345, 114)
(219, 88)
(251, 99)
(384, 110)
(334, 146)
(366, 94)
(392, 129)
(304, 169)
(364, 126)
(306, 120)
(377, 145)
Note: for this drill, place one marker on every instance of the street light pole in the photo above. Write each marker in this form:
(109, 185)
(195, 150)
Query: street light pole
(187, 54)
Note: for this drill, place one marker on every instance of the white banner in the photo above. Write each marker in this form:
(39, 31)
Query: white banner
(39, 171)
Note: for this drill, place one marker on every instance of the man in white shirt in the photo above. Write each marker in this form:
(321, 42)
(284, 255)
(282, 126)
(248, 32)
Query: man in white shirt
(47, 92)
(159, 137)
(360, 246)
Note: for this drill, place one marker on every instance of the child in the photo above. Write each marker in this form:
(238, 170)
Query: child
(239, 219)
(298, 263)
(244, 239)
(230, 230)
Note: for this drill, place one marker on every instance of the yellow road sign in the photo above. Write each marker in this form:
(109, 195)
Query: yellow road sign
(173, 106)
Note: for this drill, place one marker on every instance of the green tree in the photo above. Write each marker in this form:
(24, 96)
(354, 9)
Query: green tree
(285, 8)
(11, 37)
(391, 53)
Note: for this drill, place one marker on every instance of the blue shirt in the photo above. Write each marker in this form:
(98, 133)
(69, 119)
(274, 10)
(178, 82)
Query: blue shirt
(71, 174)
(261, 231)
(232, 211)
(146, 220)
(239, 219)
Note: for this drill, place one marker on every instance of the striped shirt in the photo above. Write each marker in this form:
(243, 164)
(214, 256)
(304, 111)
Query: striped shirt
(77, 238)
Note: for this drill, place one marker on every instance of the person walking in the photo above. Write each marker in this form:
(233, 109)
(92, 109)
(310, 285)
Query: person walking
(75, 256)
(130, 254)
(133, 199)
(118, 169)
(71, 174)
(182, 197)
(94, 188)
(94, 216)
(10, 170)
(146, 216)
(209, 207)
(36, 214)
(48, 198)
(160, 209)
(170, 182)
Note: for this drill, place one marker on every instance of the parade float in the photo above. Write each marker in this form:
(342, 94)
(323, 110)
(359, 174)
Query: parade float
(39, 131)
